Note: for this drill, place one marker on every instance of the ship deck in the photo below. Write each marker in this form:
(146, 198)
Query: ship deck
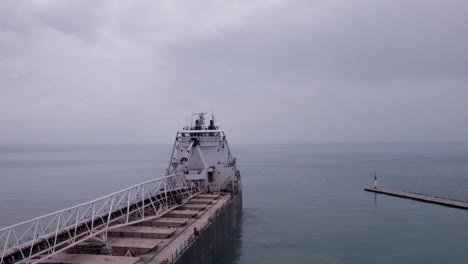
(158, 241)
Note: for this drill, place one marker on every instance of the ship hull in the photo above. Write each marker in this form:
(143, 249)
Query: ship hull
(209, 246)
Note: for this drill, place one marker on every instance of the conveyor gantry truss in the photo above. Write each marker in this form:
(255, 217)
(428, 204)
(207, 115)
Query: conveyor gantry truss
(40, 238)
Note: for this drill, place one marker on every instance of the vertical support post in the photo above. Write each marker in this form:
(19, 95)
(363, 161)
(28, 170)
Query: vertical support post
(128, 206)
(375, 180)
(76, 223)
(142, 202)
(6, 244)
(110, 212)
(92, 217)
(33, 238)
(168, 170)
(165, 192)
(56, 232)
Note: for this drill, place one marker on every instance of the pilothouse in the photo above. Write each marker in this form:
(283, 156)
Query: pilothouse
(202, 153)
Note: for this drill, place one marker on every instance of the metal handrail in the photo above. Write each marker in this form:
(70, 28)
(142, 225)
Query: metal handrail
(44, 236)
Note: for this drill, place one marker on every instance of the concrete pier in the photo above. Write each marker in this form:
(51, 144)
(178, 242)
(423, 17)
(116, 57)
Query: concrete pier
(420, 197)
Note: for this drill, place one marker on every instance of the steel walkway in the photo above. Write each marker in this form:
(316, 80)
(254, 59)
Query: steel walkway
(40, 238)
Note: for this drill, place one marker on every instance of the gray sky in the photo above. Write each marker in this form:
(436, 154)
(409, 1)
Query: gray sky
(271, 71)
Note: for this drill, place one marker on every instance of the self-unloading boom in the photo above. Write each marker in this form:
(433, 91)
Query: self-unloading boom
(42, 237)
(201, 170)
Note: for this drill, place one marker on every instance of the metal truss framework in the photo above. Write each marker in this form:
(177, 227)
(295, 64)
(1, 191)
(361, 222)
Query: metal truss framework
(34, 240)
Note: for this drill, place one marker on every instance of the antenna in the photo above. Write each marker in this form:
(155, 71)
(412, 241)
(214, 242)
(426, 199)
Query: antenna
(191, 120)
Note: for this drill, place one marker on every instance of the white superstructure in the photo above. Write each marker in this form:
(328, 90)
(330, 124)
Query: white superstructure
(202, 153)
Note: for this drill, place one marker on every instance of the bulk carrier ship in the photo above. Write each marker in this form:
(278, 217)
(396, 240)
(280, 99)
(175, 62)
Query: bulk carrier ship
(185, 217)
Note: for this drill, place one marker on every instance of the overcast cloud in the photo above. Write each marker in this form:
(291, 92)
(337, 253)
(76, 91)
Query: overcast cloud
(271, 71)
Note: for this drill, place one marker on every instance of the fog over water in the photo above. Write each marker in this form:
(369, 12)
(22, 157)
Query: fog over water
(272, 71)
(315, 96)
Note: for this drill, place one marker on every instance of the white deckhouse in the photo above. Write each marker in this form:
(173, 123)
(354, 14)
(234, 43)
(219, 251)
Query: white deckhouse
(202, 152)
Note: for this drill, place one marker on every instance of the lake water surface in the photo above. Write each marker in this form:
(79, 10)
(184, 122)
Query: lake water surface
(302, 203)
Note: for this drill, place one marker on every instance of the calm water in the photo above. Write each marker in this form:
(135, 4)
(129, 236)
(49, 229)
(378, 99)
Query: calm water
(302, 203)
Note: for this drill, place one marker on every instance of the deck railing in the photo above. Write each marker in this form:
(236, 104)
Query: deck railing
(44, 236)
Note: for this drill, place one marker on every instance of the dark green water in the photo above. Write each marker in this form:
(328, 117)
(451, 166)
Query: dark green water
(302, 203)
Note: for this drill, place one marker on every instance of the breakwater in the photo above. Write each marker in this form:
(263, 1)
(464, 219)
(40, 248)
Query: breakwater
(421, 197)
